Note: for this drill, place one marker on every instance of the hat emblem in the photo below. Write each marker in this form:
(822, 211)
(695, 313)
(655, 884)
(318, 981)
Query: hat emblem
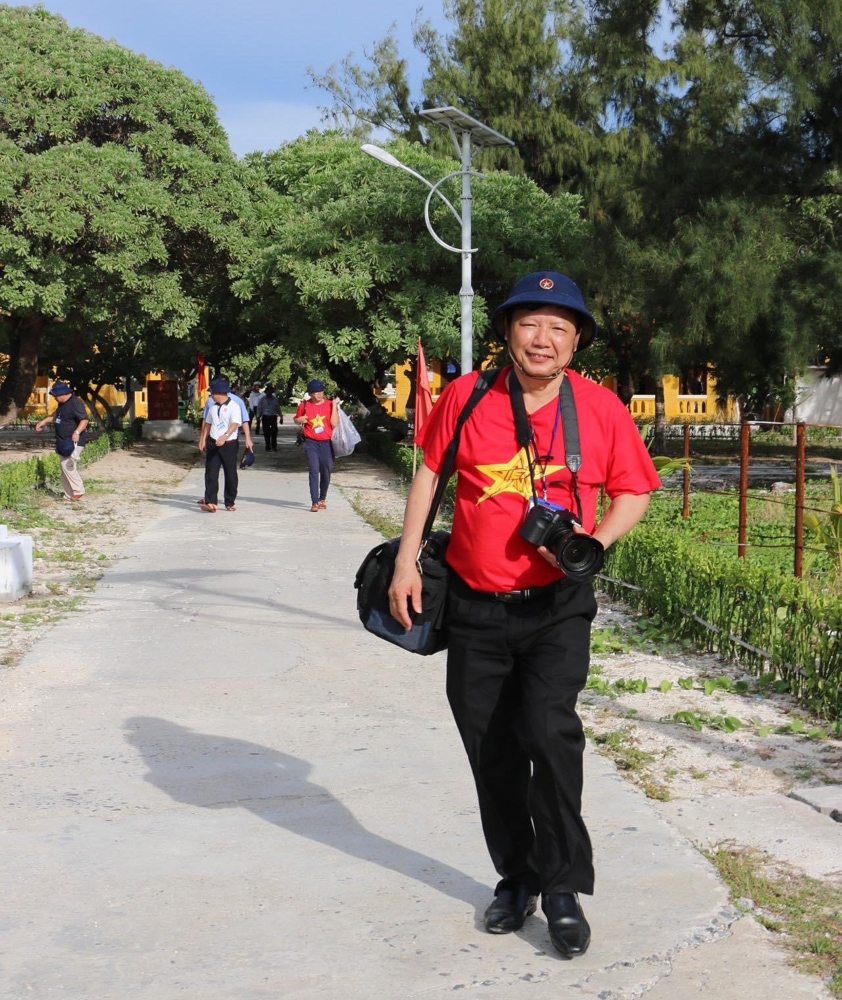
(546, 283)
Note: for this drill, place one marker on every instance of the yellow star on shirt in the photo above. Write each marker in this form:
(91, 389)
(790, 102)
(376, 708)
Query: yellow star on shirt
(317, 421)
(511, 477)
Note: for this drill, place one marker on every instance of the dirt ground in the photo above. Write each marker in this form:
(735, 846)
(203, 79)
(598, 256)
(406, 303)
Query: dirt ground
(75, 542)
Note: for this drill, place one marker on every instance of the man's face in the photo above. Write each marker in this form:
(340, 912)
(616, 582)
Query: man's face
(542, 340)
(63, 398)
(317, 397)
(219, 397)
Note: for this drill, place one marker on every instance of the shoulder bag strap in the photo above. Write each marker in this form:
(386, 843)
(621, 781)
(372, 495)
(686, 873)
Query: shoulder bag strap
(572, 448)
(484, 383)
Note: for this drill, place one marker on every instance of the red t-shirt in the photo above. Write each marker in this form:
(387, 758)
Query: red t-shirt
(493, 485)
(318, 419)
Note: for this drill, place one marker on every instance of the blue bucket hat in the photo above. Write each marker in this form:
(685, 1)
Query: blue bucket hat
(315, 385)
(546, 288)
(65, 446)
(248, 459)
(219, 385)
(61, 389)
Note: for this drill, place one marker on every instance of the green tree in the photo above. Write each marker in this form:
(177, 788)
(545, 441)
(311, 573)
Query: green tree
(121, 204)
(349, 275)
(709, 170)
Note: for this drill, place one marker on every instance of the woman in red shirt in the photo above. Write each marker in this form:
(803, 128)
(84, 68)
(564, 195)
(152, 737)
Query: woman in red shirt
(317, 417)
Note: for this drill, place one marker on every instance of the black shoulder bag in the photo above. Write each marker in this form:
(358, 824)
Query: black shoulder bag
(428, 633)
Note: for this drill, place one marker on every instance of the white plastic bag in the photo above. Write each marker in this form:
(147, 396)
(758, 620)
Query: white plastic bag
(345, 436)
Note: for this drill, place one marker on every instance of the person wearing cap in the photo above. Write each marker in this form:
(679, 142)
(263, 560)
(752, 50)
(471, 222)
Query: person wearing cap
(71, 421)
(317, 417)
(519, 630)
(248, 454)
(218, 440)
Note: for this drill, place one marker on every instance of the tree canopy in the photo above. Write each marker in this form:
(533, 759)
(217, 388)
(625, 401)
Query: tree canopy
(349, 272)
(122, 208)
(703, 139)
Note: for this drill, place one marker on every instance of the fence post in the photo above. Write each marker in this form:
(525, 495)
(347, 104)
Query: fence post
(800, 464)
(685, 510)
(741, 537)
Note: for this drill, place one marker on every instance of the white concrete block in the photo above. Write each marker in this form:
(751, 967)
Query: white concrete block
(168, 430)
(15, 565)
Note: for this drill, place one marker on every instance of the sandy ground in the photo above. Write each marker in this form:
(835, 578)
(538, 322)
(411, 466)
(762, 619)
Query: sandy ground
(74, 543)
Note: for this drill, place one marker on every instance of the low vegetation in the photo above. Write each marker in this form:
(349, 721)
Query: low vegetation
(804, 912)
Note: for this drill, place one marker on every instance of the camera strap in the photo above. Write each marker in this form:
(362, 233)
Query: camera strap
(484, 383)
(570, 430)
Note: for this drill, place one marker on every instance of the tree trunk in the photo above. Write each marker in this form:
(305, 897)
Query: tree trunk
(659, 445)
(25, 342)
(345, 377)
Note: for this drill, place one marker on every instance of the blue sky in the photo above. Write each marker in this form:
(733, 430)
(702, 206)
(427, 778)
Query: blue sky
(252, 55)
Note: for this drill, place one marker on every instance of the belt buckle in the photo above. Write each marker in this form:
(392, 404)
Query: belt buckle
(512, 596)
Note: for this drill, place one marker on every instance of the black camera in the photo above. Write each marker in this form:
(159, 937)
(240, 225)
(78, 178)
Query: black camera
(580, 556)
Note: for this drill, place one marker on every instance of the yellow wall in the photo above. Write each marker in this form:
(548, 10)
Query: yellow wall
(678, 408)
(40, 400)
(396, 405)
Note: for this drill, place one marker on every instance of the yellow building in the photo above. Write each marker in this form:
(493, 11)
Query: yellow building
(690, 399)
(40, 400)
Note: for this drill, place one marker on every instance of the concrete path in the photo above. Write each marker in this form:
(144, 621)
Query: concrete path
(217, 785)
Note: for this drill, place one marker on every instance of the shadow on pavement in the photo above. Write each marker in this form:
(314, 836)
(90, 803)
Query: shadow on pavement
(217, 772)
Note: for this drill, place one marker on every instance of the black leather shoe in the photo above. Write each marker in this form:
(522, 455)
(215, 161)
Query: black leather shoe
(508, 910)
(569, 931)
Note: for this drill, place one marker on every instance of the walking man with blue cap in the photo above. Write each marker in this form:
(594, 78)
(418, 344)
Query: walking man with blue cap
(524, 545)
(71, 421)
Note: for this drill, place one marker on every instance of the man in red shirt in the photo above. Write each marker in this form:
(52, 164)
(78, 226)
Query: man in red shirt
(519, 630)
(317, 417)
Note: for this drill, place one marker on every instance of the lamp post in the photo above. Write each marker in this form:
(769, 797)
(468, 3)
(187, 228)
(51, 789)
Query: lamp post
(468, 136)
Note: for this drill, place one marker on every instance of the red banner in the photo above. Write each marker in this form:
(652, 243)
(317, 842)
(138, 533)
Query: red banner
(201, 377)
(423, 395)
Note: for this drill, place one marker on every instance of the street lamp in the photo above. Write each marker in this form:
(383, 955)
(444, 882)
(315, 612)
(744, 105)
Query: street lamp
(468, 136)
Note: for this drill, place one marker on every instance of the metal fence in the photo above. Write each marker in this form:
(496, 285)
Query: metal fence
(742, 433)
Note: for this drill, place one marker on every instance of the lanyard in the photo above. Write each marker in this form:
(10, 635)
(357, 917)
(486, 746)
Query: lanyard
(570, 427)
(542, 462)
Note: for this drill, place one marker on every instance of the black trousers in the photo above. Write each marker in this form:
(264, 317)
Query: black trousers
(514, 673)
(226, 457)
(270, 432)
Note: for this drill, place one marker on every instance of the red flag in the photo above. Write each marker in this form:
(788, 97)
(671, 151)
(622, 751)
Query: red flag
(423, 395)
(201, 377)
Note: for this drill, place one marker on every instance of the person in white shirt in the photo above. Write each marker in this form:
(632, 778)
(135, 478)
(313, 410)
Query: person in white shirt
(218, 440)
(254, 398)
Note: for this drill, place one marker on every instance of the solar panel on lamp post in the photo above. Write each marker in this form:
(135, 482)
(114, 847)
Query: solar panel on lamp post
(469, 135)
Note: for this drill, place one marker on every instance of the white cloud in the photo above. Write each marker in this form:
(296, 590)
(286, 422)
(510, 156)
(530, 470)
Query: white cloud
(253, 125)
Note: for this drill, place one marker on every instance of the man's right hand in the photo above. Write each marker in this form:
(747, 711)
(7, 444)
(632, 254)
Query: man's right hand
(40, 426)
(405, 592)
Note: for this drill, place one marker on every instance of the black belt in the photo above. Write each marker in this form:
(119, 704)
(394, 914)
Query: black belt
(523, 596)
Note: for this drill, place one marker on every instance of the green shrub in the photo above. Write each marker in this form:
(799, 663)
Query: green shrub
(767, 620)
(398, 457)
(18, 478)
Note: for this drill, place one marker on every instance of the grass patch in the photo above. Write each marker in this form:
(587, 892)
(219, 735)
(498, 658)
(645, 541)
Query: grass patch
(806, 912)
(388, 527)
(621, 746)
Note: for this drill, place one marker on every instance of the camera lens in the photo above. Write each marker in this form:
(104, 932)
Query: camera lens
(580, 556)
